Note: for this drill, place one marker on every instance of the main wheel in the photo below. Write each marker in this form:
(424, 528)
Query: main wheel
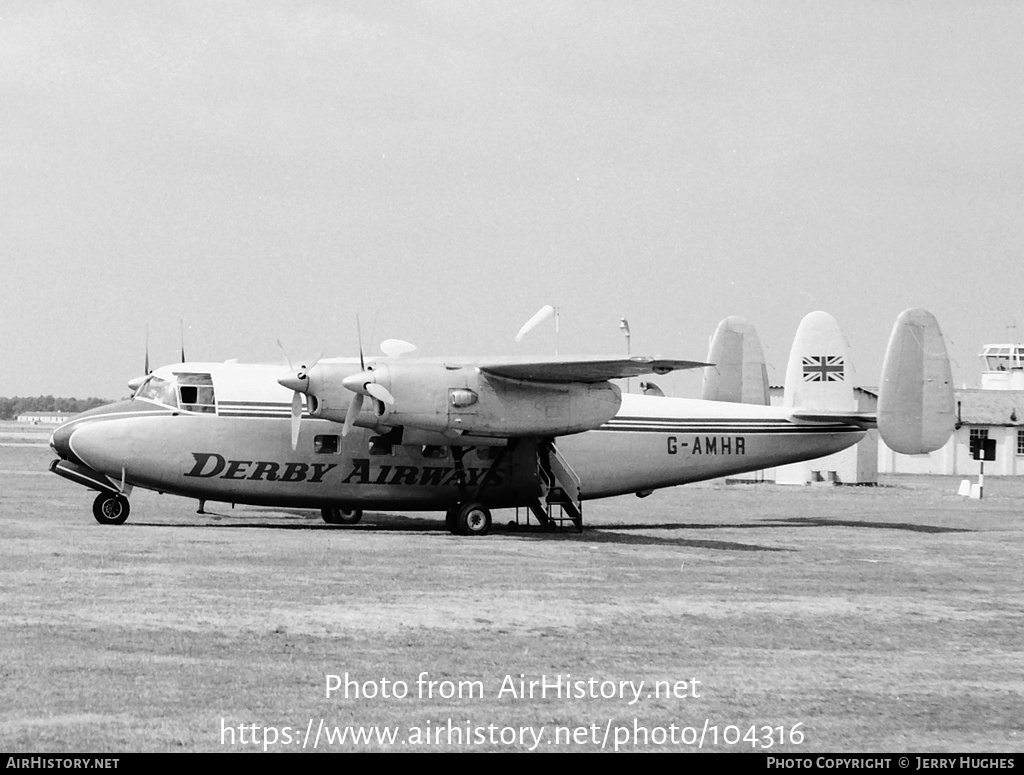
(474, 519)
(341, 516)
(111, 508)
(349, 516)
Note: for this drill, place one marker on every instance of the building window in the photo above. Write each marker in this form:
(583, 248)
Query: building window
(1020, 442)
(979, 433)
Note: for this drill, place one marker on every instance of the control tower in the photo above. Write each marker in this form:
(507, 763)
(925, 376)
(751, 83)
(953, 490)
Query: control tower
(1002, 367)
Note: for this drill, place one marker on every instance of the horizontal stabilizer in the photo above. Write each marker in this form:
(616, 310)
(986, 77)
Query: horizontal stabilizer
(916, 406)
(863, 419)
(559, 369)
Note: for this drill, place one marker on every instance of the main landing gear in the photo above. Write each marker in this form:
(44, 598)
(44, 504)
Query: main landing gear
(468, 519)
(341, 516)
(111, 508)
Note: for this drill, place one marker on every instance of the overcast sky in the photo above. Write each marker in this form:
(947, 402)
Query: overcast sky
(266, 170)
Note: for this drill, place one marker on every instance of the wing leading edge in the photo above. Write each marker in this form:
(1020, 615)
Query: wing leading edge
(560, 369)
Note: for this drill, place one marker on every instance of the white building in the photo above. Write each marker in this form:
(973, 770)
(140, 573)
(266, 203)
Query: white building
(43, 418)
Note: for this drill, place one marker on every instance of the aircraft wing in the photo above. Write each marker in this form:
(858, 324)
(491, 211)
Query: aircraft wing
(560, 369)
(821, 416)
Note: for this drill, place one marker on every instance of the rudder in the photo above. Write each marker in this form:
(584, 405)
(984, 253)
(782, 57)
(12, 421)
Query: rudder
(916, 405)
(740, 374)
(816, 377)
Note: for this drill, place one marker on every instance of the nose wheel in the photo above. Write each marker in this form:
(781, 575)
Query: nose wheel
(111, 508)
(468, 519)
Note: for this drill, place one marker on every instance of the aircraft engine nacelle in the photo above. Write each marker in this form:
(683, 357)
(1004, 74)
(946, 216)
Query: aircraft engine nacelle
(462, 400)
(326, 395)
(465, 400)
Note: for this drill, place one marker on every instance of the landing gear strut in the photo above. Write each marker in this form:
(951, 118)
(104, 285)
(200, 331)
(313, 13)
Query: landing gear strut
(111, 508)
(341, 516)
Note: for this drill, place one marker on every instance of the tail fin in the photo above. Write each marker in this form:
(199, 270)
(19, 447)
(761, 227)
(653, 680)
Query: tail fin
(740, 374)
(816, 377)
(916, 406)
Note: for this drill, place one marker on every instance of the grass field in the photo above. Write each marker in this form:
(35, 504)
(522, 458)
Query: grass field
(876, 619)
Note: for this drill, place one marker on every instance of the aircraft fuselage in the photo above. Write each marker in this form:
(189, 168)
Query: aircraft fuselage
(237, 448)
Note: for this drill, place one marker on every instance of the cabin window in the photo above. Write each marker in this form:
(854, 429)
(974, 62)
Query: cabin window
(381, 446)
(195, 392)
(326, 445)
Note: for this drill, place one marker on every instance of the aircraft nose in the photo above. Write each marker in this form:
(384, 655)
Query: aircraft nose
(60, 442)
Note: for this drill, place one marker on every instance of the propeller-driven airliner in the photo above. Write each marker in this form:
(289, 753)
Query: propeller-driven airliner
(467, 436)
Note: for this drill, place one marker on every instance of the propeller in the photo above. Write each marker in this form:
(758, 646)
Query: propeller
(394, 348)
(298, 382)
(355, 406)
(539, 317)
(136, 382)
(365, 384)
(296, 418)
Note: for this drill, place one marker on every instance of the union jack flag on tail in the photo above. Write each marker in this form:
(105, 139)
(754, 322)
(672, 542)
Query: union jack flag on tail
(823, 368)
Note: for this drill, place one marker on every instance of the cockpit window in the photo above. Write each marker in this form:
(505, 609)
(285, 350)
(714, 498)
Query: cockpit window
(195, 392)
(159, 390)
(190, 392)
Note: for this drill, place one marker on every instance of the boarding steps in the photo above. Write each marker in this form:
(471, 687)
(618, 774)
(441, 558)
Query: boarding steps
(560, 500)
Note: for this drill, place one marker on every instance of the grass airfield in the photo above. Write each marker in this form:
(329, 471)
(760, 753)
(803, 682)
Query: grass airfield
(865, 619)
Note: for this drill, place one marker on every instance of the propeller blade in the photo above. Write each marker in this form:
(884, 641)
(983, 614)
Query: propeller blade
(354, 408)
(296, 418)
(380, 392)
(539, 317)
(359, 335)
(285, 353)
(395, 347)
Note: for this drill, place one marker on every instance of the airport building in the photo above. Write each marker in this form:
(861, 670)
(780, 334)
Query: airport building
(43, 418)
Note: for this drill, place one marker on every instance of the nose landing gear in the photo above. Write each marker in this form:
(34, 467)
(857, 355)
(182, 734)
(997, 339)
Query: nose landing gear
(111, 508)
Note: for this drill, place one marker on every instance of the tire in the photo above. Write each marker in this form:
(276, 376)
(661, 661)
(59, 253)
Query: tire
(341, 516)
(474, 519)
(111, 508)
(349, 516)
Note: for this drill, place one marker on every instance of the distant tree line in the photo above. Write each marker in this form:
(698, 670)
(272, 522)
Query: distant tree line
(10, 408)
